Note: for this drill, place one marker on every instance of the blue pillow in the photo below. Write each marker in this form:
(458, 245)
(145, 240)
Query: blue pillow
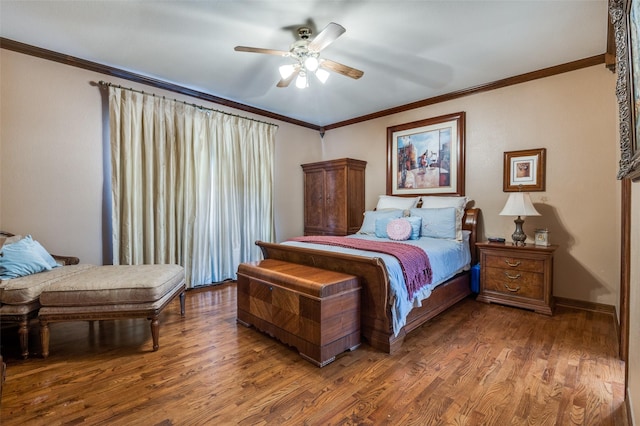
(437, 223)
(416, 225)
(381, 226)
(43, 252)
(20, 259)
(370, 217)
(414, 221)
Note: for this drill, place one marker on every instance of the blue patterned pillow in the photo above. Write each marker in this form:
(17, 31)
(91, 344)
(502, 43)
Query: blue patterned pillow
(22, 258)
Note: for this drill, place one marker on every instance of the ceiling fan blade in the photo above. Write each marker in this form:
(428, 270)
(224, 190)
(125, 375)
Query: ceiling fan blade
(341, 69)
(285, 82)
(327, 36)
(259, 50)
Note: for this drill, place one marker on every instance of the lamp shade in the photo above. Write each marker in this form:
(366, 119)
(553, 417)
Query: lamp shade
(519, 204)
(322, 75)
(287, 70)
(301, 80)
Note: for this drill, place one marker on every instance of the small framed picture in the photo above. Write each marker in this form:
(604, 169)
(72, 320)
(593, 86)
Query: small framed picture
(524, 170)
(542, 237)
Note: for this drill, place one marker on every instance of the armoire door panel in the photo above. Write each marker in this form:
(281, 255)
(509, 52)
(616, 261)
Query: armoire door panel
(334, 201)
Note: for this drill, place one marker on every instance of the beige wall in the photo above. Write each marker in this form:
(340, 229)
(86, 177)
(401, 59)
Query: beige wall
(52, 156)
(573, 116)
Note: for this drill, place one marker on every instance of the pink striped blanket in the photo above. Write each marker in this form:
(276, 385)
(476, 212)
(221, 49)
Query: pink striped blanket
(414, 262)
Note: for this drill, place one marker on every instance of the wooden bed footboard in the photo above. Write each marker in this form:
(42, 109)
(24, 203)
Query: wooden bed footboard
(375, 310)
(376, 320)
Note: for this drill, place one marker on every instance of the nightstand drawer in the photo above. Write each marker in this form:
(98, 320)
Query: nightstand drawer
(515, 263)
(515, 283)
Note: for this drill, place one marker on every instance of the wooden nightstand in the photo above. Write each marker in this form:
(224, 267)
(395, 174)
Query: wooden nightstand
(517, 276)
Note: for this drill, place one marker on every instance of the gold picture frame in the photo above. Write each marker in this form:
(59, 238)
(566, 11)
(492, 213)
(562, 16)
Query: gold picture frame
(525, 170)
(426, 157)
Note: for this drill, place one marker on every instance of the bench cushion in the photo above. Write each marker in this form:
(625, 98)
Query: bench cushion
(18, 310)
(115, 285)
(25, 290)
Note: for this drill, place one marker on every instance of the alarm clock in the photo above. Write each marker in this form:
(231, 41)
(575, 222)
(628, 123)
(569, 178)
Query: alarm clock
(542, 237)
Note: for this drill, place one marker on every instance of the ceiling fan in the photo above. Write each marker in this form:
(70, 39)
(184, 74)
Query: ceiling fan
(306, 54)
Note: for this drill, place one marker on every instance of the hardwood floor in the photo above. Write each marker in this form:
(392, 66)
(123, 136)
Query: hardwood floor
(474, 364)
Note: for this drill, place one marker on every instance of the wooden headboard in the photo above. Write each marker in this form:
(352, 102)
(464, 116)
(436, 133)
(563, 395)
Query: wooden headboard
(470, 223)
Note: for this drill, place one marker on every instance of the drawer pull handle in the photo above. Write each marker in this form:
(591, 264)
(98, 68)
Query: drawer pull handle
(513, 290)
(513, 265)
(512, 277)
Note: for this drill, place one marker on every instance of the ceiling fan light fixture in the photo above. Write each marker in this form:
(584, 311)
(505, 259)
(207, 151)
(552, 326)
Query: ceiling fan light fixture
(305, 53)
(286, 70)
(301, 81)
(311, 63)
(323, 75)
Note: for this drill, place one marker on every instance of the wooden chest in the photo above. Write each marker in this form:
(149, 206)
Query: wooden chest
(315, 310)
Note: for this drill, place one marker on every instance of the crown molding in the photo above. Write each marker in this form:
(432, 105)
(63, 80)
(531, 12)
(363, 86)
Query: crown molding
(127, 75)
(138, 78)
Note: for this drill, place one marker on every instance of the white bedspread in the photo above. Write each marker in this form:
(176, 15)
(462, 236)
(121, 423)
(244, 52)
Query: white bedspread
(447, 257)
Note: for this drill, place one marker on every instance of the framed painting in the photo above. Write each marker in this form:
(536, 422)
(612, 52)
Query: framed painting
(625, 16)
(427, 156)
(524, 170)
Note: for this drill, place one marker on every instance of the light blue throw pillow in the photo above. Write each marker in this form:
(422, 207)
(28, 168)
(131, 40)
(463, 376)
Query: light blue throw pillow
(22, 258)
(381, 226)
(437, 223)
(370, 217)
(43, 252)
(416, 225)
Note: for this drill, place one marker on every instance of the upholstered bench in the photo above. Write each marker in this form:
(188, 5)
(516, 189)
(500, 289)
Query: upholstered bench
(20, 297)
(112, 292)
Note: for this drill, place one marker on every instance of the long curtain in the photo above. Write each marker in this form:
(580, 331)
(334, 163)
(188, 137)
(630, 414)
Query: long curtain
(189, 185)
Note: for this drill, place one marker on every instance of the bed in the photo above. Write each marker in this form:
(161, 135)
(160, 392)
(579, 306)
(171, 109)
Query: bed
(377, 311)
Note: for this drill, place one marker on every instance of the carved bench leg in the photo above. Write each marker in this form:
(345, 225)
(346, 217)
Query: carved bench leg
(182, 297)
(23, 334)
(44, 338)
(155, 331)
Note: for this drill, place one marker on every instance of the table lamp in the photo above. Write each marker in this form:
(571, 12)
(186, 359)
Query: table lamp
(519, 204)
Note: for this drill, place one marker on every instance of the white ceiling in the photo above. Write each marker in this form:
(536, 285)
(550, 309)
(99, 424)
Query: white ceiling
(408, 50)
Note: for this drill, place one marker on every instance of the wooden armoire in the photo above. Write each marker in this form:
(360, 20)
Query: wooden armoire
(333, 196)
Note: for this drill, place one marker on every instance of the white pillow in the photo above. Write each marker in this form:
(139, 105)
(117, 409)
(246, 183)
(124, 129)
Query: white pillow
(393, 202)
(438, 202)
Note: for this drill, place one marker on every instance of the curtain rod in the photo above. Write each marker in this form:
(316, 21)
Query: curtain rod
(107, 84)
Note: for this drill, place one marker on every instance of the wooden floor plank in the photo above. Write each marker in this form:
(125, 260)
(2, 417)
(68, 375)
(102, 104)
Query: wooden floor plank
(473, 364)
